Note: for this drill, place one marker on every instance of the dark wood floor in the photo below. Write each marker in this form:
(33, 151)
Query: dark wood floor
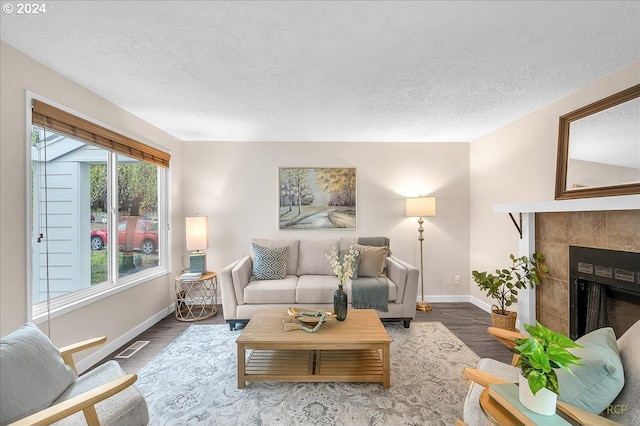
(465, 320)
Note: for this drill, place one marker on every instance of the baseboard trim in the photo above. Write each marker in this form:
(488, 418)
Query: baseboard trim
(480, 304)
(112, 346)
(442, 298)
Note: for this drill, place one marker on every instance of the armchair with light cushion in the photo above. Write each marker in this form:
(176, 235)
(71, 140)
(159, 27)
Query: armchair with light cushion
(40, 385)
(604, 391)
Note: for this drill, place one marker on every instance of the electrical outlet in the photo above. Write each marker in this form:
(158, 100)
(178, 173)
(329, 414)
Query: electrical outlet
(456, 280)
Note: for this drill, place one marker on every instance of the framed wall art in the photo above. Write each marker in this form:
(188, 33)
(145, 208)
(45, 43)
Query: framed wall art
(317, 198)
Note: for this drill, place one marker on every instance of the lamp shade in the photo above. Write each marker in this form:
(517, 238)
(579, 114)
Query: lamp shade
(421, 206)
(197, 237)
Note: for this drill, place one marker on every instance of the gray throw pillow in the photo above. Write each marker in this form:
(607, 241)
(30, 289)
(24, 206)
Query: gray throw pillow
(269, 263)
(32, 371)
(375, 242)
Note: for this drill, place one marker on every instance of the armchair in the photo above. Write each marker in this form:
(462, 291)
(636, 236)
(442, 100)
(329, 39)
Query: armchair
(40, 385)
(599, 380)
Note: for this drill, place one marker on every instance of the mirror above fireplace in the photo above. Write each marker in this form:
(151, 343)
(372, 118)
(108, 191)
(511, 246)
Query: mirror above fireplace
(599, 148)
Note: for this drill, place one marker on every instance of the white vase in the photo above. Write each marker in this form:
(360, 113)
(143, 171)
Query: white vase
(543, 402)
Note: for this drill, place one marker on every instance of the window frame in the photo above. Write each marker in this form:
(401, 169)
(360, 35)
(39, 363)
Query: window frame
(52, 308)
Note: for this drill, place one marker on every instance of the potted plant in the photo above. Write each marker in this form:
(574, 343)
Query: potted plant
(540, 354)
(504, 286)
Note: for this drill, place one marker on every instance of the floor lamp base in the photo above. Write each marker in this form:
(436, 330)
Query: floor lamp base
(423, 306)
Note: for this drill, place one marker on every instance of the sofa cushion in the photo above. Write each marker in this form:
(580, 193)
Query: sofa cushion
(271, 291)
(316, 288)
(629, 348)
(594, 386)
(372, 260)
(269, 263)
(312, 257)
(125, 408)
(32, 371)
(292, 259)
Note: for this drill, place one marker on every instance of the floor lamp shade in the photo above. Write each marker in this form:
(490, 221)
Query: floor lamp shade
(197, 239)
(421, 207)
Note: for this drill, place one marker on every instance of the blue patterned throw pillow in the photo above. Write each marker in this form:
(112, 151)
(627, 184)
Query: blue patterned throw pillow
(269, 263)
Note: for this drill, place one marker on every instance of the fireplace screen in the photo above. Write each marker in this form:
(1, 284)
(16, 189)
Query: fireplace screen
(605, 290)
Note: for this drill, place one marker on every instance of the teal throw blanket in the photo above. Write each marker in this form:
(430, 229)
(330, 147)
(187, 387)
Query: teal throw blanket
(370, 293)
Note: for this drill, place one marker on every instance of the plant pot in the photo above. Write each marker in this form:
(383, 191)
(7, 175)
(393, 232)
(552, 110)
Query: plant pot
(507, 322)
(543, 402)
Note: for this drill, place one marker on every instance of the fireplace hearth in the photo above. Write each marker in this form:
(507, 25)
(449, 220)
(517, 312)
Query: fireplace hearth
(604, 290)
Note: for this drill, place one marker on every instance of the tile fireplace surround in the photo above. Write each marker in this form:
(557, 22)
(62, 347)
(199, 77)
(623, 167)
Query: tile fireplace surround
(555, 232)
(551, 227)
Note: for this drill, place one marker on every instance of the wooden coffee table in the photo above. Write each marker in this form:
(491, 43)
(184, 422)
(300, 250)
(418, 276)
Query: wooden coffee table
(354, 350)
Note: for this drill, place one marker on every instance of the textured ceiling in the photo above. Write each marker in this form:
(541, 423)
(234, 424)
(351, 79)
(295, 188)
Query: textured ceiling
(330, 71)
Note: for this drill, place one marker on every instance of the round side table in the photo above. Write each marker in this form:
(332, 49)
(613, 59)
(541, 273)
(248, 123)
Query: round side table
(196, 298)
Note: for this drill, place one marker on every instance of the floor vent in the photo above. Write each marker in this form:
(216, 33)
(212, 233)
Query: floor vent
(131, 350)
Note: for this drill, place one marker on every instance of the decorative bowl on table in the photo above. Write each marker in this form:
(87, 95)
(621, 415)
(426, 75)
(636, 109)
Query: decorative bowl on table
(298, 314)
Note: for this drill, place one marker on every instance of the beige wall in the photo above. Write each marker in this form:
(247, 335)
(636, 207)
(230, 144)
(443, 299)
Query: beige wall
(236, 186)
(115, 316)
(517, 164)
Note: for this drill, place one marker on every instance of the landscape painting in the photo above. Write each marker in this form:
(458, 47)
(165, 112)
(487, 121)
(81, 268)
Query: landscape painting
(317, 198)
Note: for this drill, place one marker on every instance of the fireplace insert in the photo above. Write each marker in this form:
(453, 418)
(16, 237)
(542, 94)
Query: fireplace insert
(604, 290)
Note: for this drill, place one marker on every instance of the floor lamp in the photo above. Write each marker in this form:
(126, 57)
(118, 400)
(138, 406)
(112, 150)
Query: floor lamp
(421, 207)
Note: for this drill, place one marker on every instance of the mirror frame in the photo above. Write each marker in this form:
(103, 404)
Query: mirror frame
(562, 193)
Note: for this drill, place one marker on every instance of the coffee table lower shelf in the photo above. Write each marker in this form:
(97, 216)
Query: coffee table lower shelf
(354, 365)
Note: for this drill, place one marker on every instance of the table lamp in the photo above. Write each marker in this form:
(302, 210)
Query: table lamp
(197, 239)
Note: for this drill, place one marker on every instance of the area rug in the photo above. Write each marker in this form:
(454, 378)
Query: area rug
(193, 381)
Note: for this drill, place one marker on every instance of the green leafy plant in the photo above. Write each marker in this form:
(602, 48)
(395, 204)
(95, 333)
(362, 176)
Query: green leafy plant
(504, 285)
(542, 353)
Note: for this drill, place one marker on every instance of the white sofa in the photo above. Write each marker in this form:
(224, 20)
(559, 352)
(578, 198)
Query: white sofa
(309, 282)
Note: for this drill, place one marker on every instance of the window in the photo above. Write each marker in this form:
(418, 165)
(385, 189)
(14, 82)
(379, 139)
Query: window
(99, 210)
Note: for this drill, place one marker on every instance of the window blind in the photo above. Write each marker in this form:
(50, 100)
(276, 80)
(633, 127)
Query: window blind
(63, 122)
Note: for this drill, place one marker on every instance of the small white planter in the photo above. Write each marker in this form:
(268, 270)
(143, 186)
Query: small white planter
(544, 402)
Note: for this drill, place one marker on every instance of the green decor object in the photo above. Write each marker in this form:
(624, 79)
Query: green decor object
(505, 284)
(319, 316)
(543, 352)
(340, 302)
